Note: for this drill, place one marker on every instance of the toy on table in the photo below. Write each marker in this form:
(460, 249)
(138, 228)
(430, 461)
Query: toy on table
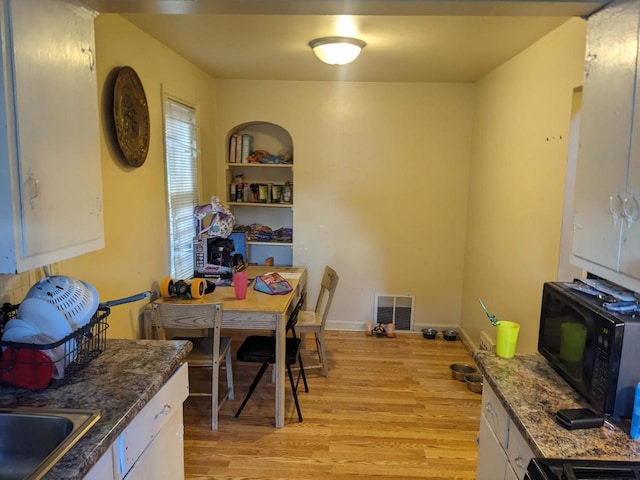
(222, 219)
(218, 251)
(195, 288)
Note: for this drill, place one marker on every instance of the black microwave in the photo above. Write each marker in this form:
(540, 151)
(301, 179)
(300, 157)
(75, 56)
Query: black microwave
(595, 350)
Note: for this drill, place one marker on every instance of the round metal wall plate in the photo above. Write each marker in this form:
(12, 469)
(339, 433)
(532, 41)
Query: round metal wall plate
(131, 117)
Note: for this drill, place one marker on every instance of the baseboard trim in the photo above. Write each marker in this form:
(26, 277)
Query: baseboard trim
(469, 344)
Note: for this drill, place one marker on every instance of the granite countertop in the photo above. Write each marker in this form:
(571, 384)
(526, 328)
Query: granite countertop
(119, 383)
(532, 392)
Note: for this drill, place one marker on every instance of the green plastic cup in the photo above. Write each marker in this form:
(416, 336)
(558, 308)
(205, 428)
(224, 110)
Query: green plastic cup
(573, 337)
(506, 338)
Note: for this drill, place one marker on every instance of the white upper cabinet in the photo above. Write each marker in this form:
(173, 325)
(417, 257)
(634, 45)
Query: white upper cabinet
(630, 240)
(51, 189)
(606, 228)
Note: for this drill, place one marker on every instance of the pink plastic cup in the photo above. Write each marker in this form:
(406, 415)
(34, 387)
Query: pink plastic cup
(240, 282)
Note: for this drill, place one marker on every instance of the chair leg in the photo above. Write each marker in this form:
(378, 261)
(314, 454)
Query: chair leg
(295, 394)
(253, 386)
(301, 372)
(322, 354)
(227, 364)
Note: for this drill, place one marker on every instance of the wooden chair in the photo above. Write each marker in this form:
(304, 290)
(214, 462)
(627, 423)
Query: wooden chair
(262, 349)
(199, 323)
(313, 321)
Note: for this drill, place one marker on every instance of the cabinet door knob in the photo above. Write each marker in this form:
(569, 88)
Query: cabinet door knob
(166, 409)
(92, 60)
(489, 409)
(630, 209)
(620, 211)
(34, 190)
(519, 461)
(587, 63)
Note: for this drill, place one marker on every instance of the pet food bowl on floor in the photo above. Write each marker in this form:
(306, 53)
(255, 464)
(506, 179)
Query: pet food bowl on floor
(459, 370)
(450, 335)
(474, 382)
(429, 333)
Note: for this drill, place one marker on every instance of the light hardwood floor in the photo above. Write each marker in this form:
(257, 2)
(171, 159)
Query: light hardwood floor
(390, 410)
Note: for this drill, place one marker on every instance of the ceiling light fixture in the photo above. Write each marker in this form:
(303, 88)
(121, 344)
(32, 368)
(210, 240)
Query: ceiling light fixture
(337, 50)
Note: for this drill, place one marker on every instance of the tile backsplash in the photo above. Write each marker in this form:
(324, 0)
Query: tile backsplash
(13, 288)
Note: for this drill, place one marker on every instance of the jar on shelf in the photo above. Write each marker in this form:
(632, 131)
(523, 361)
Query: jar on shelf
(276, 193)
(287, 192)
(263, 193)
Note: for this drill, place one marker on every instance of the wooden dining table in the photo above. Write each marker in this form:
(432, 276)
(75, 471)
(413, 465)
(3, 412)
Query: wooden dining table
(258, 311)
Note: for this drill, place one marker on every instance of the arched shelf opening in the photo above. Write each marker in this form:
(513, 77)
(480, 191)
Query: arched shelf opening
(266, 136)
(259, 173)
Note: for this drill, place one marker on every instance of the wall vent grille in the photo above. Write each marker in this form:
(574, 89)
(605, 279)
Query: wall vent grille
(486, 342)
(395, 309)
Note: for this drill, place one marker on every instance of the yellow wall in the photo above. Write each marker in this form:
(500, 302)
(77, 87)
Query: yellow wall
(380, 187)
(520, 142)
(449, 192)
(136, 253)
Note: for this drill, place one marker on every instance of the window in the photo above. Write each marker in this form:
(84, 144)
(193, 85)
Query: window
(181, 157)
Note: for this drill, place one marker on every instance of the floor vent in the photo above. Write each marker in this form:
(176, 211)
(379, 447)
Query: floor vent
(486, 342)
(396, 309)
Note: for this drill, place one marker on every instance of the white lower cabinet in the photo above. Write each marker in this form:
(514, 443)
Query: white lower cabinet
(103, 469)
(164, 457)
(518, 452)
(492, 459)
(503, 453)
(509, 474)
(152, 444)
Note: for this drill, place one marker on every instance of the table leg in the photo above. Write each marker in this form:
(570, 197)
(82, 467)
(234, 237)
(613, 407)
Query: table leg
(216, 371)
(280, 366)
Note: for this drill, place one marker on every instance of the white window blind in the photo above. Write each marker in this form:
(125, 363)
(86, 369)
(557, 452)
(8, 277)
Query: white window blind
(181, 155)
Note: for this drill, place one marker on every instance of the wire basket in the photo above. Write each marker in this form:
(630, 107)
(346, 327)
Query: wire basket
(35, 366)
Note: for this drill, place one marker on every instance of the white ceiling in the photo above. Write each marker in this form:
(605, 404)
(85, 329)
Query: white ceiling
(407, 41)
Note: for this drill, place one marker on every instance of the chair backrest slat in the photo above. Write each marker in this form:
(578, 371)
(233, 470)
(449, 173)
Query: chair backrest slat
(188, 316)
(293, 318)
(327, 290)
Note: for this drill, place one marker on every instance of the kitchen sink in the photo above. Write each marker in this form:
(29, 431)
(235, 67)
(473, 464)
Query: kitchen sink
(32, 440)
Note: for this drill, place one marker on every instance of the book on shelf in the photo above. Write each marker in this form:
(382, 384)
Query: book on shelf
(238, 153)
(247, 147)
(233, 142)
